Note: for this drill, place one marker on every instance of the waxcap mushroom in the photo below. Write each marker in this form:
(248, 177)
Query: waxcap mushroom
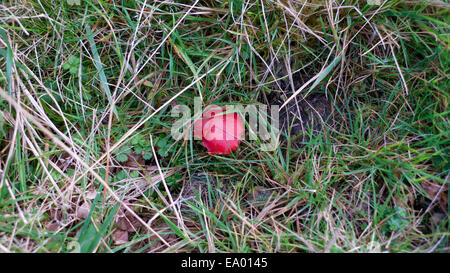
(219, 131)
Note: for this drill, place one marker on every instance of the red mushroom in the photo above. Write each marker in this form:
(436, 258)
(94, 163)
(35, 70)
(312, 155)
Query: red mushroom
(220, 132)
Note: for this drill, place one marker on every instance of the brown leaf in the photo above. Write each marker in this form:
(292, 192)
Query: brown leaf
(120, 237)
(134, 161)
(91, 194)
(164, 230)
(55, 214)
(126, 221)
(52, 226)
(432, 189)
(83, 210)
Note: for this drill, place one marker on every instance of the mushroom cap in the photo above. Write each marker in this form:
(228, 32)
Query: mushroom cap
(220, 132)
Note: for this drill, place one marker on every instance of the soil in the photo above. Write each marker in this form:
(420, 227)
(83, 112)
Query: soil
(197, 186)
(259, 196)
(304, 115)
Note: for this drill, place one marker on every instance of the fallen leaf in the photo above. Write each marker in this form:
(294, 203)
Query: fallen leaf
(52, 226)
(126, 221)
(134, 161)
(120, 237)
(83, 210)
(55, 214)
(433, 190)
(91, 194)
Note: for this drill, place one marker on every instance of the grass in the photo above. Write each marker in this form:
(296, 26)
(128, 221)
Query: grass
(87, 162)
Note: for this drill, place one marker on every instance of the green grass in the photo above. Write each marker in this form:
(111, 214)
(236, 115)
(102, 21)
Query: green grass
(86, 88)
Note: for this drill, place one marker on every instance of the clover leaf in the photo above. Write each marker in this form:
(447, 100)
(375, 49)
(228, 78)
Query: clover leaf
(73, 65)
(121, 154)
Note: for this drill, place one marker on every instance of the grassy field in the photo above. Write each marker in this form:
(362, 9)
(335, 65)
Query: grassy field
(88, 164)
